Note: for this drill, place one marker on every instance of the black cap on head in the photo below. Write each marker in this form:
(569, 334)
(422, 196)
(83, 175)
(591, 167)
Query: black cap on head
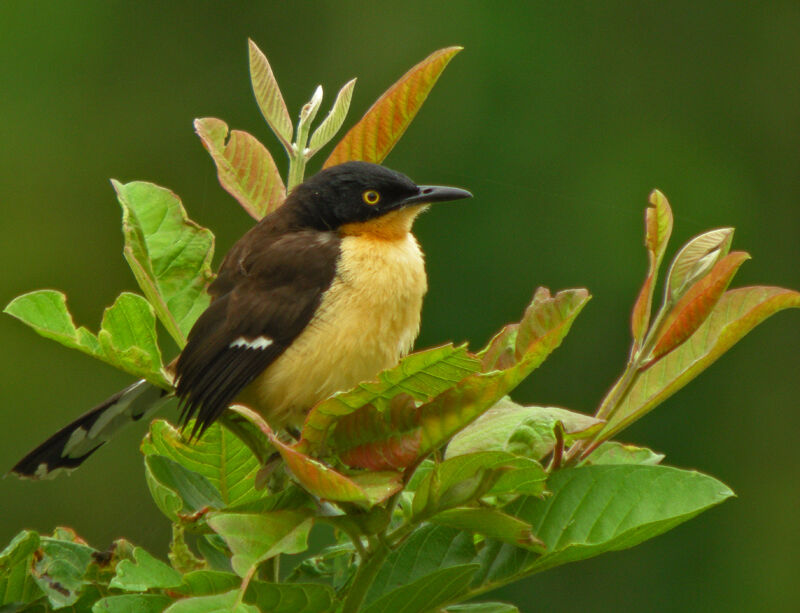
(360, 191)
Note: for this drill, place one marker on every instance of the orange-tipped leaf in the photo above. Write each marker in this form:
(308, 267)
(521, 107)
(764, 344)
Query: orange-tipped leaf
(377, 132)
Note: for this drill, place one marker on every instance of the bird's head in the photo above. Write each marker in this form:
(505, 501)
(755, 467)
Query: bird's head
(357, 196)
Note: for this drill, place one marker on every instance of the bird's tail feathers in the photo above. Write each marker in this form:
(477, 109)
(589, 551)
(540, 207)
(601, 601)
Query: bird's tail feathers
(70, 446)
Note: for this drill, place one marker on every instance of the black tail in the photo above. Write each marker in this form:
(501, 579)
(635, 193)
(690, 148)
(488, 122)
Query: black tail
(70, 446)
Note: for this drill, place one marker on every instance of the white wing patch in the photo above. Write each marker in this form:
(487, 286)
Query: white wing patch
(260, 342)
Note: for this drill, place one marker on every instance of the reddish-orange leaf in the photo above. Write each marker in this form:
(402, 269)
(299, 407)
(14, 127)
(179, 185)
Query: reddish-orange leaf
(696, 305)
(374, 136)
(735, 314)
(245, 168)
(379, 440)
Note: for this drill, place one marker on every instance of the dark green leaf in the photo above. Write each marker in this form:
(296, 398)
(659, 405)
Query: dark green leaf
(132, 603)
(169, 254)
(428, 593)
(145, 573)
(482, 607)
(428, 549)
(290, 598)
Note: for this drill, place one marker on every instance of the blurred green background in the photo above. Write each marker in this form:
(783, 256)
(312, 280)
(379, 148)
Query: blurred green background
(560, 119)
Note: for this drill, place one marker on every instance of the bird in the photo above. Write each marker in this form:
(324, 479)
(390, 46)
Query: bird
(321, 294)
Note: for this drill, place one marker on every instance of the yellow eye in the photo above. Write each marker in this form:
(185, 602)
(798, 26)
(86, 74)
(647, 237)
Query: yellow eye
(371, 197)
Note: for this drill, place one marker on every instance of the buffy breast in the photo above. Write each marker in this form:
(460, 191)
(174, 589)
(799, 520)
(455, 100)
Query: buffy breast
(367, 321)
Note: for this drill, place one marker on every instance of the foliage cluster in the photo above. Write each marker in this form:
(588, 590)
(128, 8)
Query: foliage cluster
(437, 486)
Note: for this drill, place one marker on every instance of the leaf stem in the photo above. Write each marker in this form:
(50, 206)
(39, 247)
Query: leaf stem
(365, 576)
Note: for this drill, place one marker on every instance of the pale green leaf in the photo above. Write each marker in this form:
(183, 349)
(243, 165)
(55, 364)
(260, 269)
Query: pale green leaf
(16, 583)
(59, 570)
(269, 97)
(254, 538)
(695, 259)
(491, 523)
(333, 121)
(523, 430)
(612, 452)
(145, 573)
(169, 254)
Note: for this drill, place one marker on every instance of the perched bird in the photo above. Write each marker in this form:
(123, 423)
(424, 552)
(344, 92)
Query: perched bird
(321, 294)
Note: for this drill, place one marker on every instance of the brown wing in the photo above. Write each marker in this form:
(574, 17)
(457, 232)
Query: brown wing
(267, 291)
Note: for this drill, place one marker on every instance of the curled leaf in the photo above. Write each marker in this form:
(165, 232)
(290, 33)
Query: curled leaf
(245, 168)
(658, 228)
(695, 259)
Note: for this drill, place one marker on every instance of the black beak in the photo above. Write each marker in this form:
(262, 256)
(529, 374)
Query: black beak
(435, 193)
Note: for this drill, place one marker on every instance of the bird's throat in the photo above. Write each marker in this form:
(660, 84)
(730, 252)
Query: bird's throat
(395, 225)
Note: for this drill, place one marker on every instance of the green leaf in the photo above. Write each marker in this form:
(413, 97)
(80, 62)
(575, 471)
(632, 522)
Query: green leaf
(594, 509)
(736, 313)
(144, 574)
(462, 479)
(254, 538)
(127, 337)
(658, 228)
(694, 260)
(218, 603)
(422, 375)
(290, 598)
(334, 120)
(194, 491)
(429, 549)
(428, 593)
(205, 582)
(219, 456)
(16, 583)
(245, 167)
(523, 430)
(612, 452)
(377, 132)
(46, 312)
(491, 523)
(169, 254)
(132, 603)
(269, 97)
(59, 570)
(482, 607)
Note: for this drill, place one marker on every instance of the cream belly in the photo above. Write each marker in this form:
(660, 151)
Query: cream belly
(367, 321)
